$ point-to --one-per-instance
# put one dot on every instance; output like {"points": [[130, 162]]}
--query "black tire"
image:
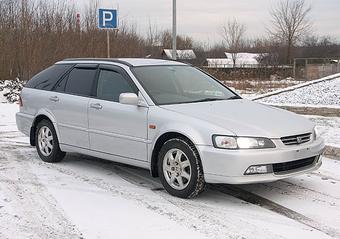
{"points": [[55, 155], [196, 183]]}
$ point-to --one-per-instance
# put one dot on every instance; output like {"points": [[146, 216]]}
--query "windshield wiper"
{"points": [[207, 99], [215, 99], [235, 97]]}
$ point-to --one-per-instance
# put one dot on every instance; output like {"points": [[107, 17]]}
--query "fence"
{"points": [[315, 68], [258, 73]]}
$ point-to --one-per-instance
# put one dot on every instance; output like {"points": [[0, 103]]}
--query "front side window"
{"points": [[111, 84], [80, 81], [180, 84]]}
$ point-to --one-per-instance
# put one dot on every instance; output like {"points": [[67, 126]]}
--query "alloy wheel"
{"points": [[45, 141], [177, 169]]}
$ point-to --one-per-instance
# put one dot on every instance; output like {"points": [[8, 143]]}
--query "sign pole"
{"points": [[108, 42], [107, 19], [174, 34]]}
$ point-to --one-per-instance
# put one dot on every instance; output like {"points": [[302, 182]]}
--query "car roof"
{"points": [[124, 61]]}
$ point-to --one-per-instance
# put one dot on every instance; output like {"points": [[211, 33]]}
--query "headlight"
{"points": [[316, 133], [233, 142]]}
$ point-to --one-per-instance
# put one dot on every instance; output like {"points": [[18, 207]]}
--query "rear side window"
{"points": [[46, 79], [80, 81], [111, 84]]}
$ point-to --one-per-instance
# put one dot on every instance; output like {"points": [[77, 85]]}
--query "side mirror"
{"points": [[128, 99]]}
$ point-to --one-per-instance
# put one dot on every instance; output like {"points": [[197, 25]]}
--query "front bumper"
{"points": [[229, 166]]}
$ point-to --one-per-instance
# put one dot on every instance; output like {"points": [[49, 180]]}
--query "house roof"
{"points": [[188, 54], [244, 58]]}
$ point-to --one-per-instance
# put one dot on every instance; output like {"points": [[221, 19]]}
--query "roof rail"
{"points": [[99, 59]]}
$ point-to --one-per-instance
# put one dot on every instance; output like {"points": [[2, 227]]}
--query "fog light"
{"points": [[259, 169]]}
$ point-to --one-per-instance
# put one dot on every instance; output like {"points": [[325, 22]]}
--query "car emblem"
{"points": [[299, 140]]}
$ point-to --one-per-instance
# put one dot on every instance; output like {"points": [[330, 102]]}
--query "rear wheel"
{"points": [[180, 169], [47, 143]]}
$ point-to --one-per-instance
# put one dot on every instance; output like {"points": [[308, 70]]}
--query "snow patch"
{"points": [[10, 90], [323, 92]]}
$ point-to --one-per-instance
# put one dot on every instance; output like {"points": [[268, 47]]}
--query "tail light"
{"points": [[20, 101]]}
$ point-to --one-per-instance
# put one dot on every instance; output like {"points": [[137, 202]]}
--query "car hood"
{"points": [[246, 118]]}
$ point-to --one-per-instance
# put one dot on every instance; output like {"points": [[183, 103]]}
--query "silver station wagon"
{"points": [[171, 118]]}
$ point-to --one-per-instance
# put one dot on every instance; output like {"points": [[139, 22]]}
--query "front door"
{"points": [[115, 128]]}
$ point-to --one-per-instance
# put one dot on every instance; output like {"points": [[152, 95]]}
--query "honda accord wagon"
{"points": [[176, 120]]}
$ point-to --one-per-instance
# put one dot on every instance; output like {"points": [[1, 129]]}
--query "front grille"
{"points": [[296, 139], [292, 165]]}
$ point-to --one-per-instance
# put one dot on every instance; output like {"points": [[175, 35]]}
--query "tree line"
{"points": [[36, 33]]}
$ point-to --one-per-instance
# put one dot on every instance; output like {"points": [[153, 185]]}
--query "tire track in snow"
{"points": [[323, 176], [309, 189], [247, 197], [195, 215], [274, 207], [34, 213], [129, 174]]}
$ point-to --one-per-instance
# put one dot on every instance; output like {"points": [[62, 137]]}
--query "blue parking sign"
{"points": [[107, 18]]}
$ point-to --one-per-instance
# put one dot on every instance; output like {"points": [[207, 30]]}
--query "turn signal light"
{"points": [[152, 126]]}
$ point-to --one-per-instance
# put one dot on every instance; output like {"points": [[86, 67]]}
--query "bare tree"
{"points": [[153, 35], [290, 23], [233, 34], [183, 42]]}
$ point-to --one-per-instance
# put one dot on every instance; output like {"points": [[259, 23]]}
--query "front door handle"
{"points": [[96, 106], [54, 98]]}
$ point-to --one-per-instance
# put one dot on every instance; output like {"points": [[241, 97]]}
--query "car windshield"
{"points": [[180, 84]]}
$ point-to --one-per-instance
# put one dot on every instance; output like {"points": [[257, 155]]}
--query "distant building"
{"points": [[219, 63], [243, 60], [188, 54]]}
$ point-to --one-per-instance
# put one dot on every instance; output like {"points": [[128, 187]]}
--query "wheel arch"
{"points": [[158, 145], [39, 117]]}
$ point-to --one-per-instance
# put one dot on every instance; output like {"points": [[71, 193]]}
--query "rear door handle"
{"points": [[54, 98], [96, 106]]}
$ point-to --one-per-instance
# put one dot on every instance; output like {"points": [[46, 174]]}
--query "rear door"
{"points": [[37, 92], [115, 128], [70, 102]]}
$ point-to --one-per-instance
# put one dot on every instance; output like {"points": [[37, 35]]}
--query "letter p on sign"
{"points": [[107, 18]]}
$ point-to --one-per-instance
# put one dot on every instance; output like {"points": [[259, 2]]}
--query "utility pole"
{"points": [[294, 69], [108, 42], [174, 34]]}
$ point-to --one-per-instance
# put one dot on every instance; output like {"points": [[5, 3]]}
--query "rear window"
{"points": [[46, 79], [80, 81]]}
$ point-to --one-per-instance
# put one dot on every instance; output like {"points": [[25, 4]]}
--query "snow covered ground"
{"points": [[3, 99], [329, 129], [321, 93], [86, 197]]}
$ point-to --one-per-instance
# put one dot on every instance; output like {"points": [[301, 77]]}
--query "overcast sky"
{"points": [[202, 19]]}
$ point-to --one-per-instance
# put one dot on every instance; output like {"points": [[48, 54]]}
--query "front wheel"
{"points": [[47, 143], [180, 169]]}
